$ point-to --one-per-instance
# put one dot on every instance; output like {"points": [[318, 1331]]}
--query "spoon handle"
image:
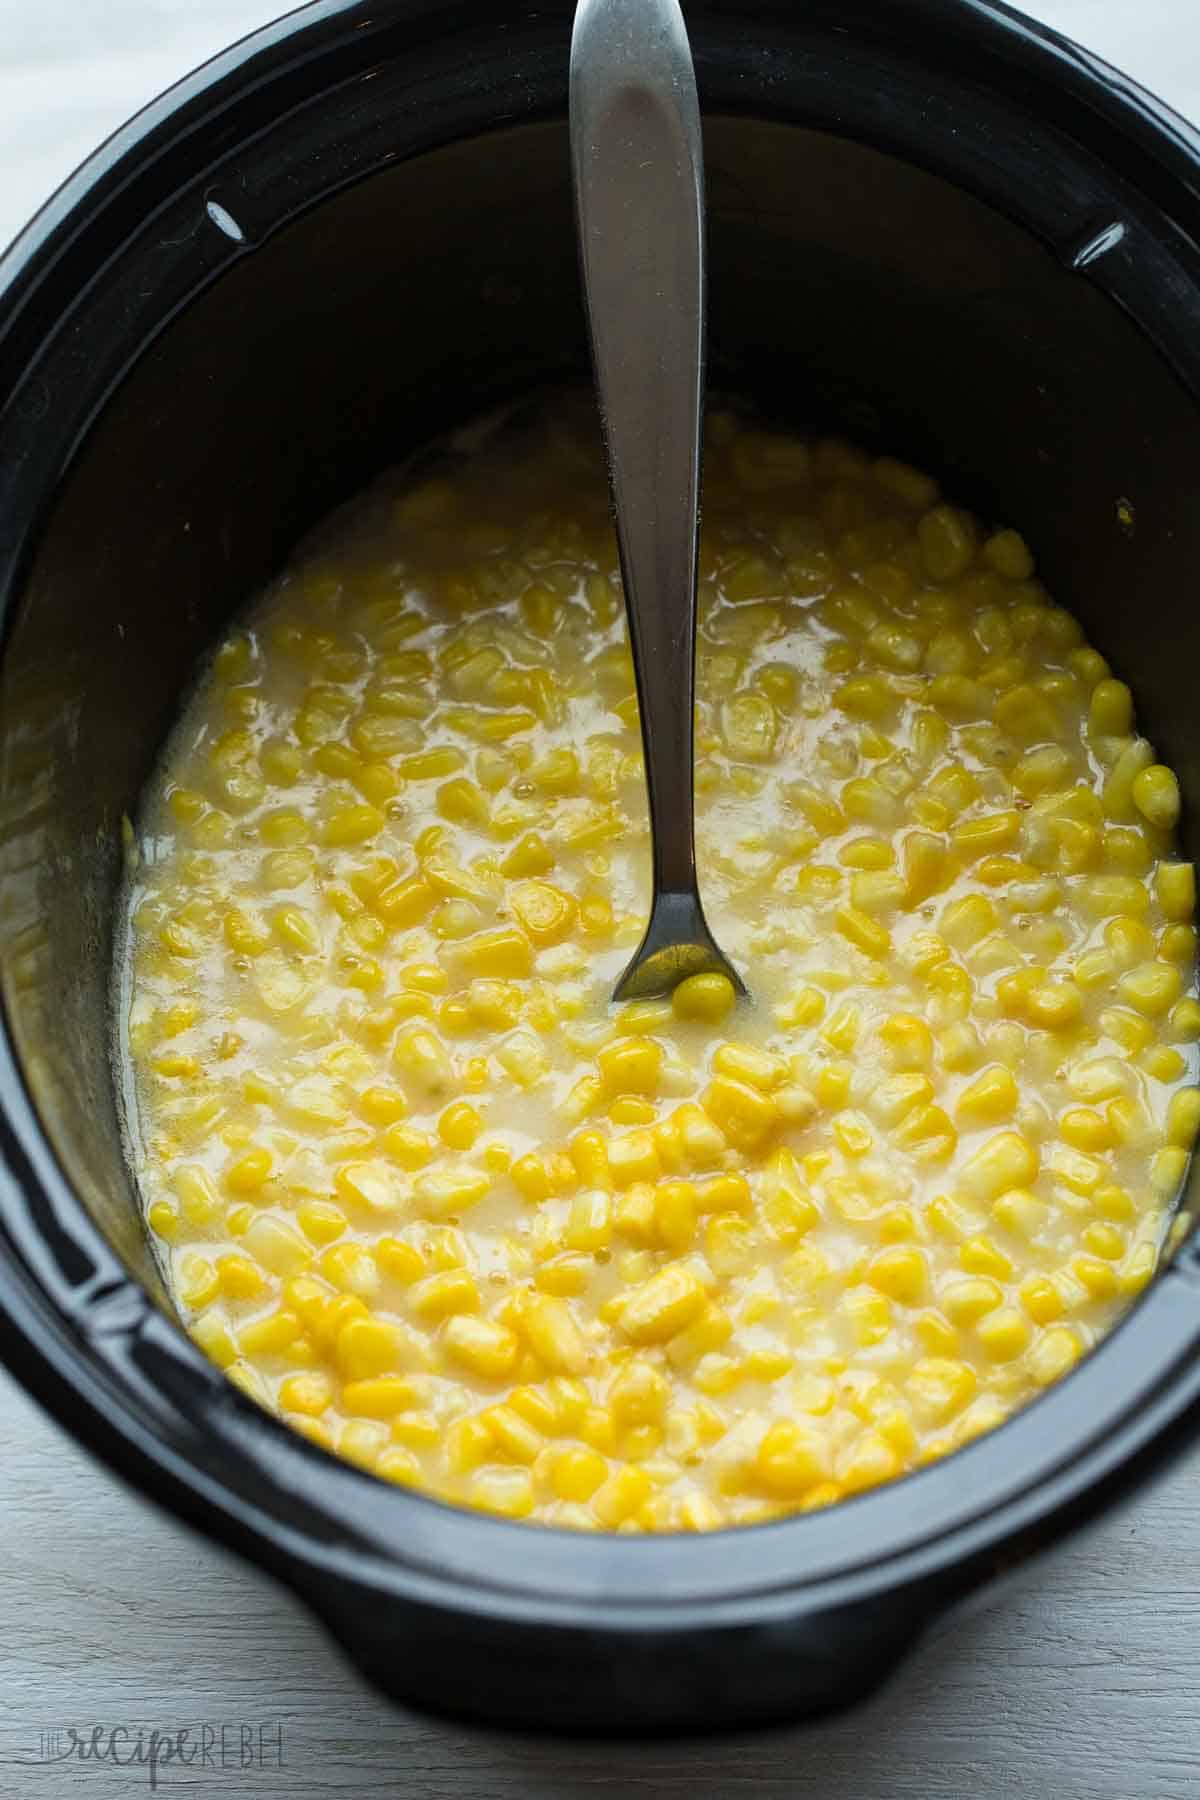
{"points": [[639, 197]]}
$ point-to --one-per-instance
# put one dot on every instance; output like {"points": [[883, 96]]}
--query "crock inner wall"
{"points": [[848, 290]]}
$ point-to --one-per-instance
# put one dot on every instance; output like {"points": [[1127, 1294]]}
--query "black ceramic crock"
{"points": [[933, 225]]}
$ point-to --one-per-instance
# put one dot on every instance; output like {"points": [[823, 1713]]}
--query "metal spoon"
{"points": [[639, 206]]}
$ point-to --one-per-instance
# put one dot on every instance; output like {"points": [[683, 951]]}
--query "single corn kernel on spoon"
{"points": [[639, 207]]}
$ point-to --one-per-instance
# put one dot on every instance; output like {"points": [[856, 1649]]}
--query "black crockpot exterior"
{"points": [[511, 1624]]}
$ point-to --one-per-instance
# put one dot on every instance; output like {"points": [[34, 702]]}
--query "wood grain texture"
{"points": [[1077, 1683]]}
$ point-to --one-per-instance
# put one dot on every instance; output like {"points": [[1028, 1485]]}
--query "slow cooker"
{"points": [[932, 224]]}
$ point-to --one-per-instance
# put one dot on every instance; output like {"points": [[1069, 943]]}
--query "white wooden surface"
{"points": [[1080, 1683]]}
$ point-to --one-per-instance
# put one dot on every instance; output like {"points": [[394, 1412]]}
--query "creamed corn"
{"points": [[422, 1190]]}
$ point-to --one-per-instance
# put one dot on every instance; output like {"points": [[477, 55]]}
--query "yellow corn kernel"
{"points": [[509, 1493], [1101, 1078], [589, 1223], [701, 1143], [864, 932], [898, 1095], [704, 999], [530, 855], [1175, 885], [866, 698], [197, 1194], [481, 1346], [1020, 1212], [459, 1126], [1183, 1118], [1054, 1006], [870, 1315], [577, 1473], [247, 1173], [639, 1394], [843, 1028], [1131, 1030], [545, 912], [1138, 1269], [1167, 1171], [468, 1443], [513, 1435], [1110, 713], [309, 1394], [463, 803], [422, 1060], [370, 1186], [866, 1462], [986, 835], [853, 1133], [633, 1158], [621, 1496], [274, 1244], [963, 923], [664, 1305], [980, 1256], [245, 934], [553, 1335], [902, 1274], [992, 1096], [747, 1063], [1117, 796], [1156, 796], [877, 891], [1129, 940], [199, 1283], [352, 825], [1055, 1353], [1085, 1129], [1046, 770], [504, 954], [1101, 1238], [1152, 988], [1178, 944], [631, 1066], [1003, 1334], [908, 1041], [377, 1396], [1097, 1276], [401, 1261], [240, 1279], [441, 1295], [1095, 969], [926, 866], [940, 1387], [792, 1458], [530, 1177], [873, 855], [411, 1148], [745, 1116], [524, 1058], [1185, 1020], [927, 1132], [948, 541], [566, 1276], [443, 1193], [1107, 895], [966, 1301], [960, 1046], [1082, 1174], [367, 1347], [675, 1209], [1042, 1300]]}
